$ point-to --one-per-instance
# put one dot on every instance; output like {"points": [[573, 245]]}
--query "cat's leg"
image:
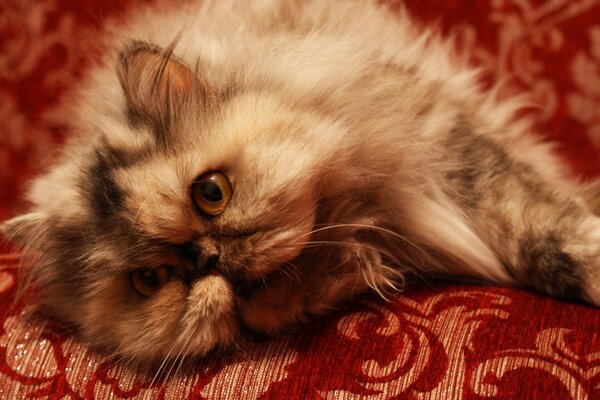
{"points": [[556, 250], [541, 233]]}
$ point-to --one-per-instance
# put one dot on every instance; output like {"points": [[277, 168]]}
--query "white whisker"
{"points": [[185, 349], [364, 226], [137, 214], [166, 358]]}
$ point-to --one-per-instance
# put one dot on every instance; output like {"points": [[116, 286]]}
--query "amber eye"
{"points": [[147, 281], [211, 193]]}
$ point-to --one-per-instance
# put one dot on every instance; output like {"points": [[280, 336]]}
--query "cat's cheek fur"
{"points": [[19, 229], [117, 319]]}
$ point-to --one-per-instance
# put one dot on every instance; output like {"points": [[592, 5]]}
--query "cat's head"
{"points": [[183, 213]]}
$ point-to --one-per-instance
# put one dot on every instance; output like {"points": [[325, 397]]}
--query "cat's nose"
{"points": [[210, 262], [208, 255]]}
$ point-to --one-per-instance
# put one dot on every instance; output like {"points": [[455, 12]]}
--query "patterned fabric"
{"points": [[431, 342]]}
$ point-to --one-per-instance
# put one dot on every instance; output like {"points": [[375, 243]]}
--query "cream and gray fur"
{"points": [[360, 151]]}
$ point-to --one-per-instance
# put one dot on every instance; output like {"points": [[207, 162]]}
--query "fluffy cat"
{"points": [[243, 165]]}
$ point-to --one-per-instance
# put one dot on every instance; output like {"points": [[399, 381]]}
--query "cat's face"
{"points": [[184, 218]]}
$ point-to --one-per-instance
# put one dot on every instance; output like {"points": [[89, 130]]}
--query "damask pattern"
{"points": [[431, 342], [584, 104]]}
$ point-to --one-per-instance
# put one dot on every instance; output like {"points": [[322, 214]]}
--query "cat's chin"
{"points": [[268, 305]]}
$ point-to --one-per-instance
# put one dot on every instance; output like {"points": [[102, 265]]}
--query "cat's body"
{"points": [[348, 149]]}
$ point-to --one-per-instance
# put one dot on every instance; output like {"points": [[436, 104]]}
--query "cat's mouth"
{"points": [[248, 289]]}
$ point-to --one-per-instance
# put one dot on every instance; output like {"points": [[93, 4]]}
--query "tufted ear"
{"points": [[156, 84], [25, 228]]}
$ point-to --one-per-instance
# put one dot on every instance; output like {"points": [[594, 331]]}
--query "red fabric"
{"points": [[433, 341]]}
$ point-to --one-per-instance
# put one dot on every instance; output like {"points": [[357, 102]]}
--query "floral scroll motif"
{"points": [[251, 378], [44, 51], [29, 33], [584, 105], [528, 31], [421, 328], [551, 355]]}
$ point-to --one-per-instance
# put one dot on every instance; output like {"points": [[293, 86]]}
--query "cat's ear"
{"points": [[24, 229], [156, 84]]}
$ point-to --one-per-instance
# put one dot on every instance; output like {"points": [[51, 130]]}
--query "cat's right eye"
{"points": [[147, 281]]}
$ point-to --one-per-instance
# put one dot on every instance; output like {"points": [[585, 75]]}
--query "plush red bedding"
{"points": [[441, 341]]}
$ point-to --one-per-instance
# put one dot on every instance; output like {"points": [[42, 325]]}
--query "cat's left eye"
{"points": [[211, 193], [147, 281]]}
